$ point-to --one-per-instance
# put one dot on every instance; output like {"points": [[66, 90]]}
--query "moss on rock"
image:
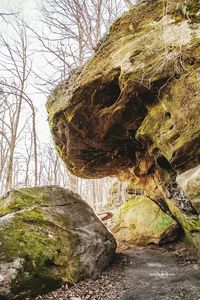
{"points": [[44, 229], [142, 222], [134, 108], [137, 75], [190, 225]]}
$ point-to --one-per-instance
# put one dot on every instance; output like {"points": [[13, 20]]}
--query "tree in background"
{"points": [[15, 67], [71, 31]]}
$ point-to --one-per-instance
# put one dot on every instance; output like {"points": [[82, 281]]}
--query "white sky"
{"points": [[26, 5], [28, 9]]}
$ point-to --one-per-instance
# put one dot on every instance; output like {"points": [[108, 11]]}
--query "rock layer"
{"points": [[49, 236]]}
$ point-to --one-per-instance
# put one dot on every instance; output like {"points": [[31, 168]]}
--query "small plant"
{"points": [[183, 9]]}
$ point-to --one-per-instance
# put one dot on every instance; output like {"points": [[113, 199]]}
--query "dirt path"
{"points": [[154, 274], [141, 274]]}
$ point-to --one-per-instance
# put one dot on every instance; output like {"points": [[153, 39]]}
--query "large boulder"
{"points": [[142, 222], [133, 110], [134, 88], [49, 236]]}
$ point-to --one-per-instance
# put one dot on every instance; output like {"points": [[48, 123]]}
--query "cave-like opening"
{"points": [[107, 94], [164, 163]]}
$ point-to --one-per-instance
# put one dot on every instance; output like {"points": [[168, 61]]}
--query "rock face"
{"points": [[142, 222], [133, 87], [133, 110], [190, 182], [49, 236]]}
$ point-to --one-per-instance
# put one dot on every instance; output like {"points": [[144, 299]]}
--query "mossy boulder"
{"points": [[49, 236], [142, 222]]}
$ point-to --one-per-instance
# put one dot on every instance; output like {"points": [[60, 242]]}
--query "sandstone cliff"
{"points": [[133, 109]]}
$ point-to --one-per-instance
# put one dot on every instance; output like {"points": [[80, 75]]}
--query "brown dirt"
{"points": [[139, 273]]}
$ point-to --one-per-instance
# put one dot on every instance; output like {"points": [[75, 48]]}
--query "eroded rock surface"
{"points": [[49, 236], [134, 84], [133, 110], [140, 221]]}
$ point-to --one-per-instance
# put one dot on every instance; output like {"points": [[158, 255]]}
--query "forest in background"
{"points": [[36, 53]]}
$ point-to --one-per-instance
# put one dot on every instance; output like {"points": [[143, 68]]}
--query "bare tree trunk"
{"points": [[9, 176]]}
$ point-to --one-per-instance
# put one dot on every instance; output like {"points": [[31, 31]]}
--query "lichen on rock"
{"points": [[129, 91], [142, 222], [49, 236], [190, 225], [133, 111]]}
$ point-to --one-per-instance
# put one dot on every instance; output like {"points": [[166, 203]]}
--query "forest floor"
{"points": [[138, 273]]}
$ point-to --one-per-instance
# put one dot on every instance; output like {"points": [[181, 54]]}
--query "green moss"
{"points": [[34, 215], [190, 225], [162, 220], [32, 236], [163, 223], [20, 199], [128, 205], [141, 52], [40, 240], [141, 221], [26, 240], [152, 122], [174, 134]]}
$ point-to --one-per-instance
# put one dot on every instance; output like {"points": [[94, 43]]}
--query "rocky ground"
{"points": [[138, 273]]}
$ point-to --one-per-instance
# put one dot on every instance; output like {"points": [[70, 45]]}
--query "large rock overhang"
{"points": [[139, 93]]}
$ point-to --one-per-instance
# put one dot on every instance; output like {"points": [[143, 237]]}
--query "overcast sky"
{"points": [[26, 5], [28, 9]]}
